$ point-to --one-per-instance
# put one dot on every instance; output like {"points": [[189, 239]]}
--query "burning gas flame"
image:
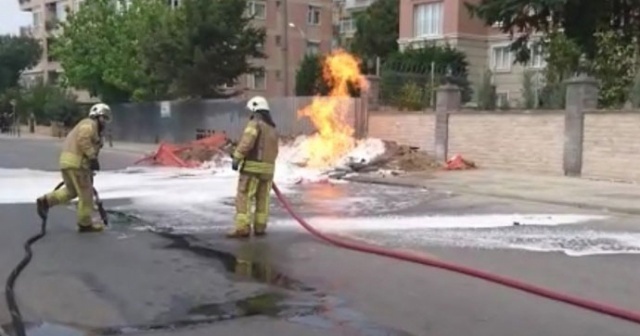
{"points": [[334, 137]]}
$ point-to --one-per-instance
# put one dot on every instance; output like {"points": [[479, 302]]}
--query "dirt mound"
{"points": [[398, 158], [408, 158]]}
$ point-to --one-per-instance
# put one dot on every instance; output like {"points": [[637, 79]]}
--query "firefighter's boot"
{"points": [[239, 233]]}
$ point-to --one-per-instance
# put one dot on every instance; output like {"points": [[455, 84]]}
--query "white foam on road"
{"points": [[200, 193], [442, 222], [176, 185]]}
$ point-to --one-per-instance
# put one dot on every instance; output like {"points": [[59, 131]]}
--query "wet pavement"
{"points": [[168, 272]]}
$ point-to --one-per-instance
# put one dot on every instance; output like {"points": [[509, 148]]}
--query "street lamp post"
{"points": [[285, 47], [304, 36]]}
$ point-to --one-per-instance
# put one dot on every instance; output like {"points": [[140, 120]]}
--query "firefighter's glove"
{"points": [[235, 164], [94, 165]]}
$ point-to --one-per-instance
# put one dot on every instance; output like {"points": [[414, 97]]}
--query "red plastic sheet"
{"points": [[169, 154]]}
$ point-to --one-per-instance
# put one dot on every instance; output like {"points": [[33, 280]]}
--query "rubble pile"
{"points": [[408, 158]]}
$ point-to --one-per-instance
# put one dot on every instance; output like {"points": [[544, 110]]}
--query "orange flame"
{"points": [[334, 137]]}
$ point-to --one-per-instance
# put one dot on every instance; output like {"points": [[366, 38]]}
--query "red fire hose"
{"points": [[625, 314]]}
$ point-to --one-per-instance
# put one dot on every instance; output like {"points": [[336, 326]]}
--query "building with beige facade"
{"points": [[344, 15], [305, 27], [448, 21]]}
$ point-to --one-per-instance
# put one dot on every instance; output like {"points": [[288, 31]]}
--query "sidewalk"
{"points": [[129, 147], [576, 192]]}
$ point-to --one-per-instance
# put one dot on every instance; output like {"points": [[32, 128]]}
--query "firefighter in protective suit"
{"points": [[255, 158], [78, 162]]}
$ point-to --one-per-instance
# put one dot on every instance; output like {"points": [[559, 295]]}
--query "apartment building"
{"points": [[306, 27], [345, 12], [448, 21]]}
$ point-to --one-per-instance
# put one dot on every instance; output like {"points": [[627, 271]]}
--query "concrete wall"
{"points": [[578, 141], [183, 121]]}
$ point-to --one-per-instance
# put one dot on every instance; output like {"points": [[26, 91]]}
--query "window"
{"points": [[278, 40], [54, 76], [537, 57], [347, 26], [501, 58], [313, 47], [61, 12], [77, 4], [278, 75], [257, 81], [173, 3], [37, 16], [502, 99], [258, 9], [313, 15], [427, 19]]}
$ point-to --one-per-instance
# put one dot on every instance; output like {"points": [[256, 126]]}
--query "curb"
{"points": [[580, 205]]}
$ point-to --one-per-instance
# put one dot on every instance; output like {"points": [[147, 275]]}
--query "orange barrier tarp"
{"points": [[169, 154]]}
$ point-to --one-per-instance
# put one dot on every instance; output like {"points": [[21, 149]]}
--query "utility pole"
{"points": [[285, 47]]}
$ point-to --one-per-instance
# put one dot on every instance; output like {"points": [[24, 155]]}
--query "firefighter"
{"points": [[254, 158], [78, 162]]}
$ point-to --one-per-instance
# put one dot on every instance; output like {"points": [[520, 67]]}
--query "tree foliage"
{"points": [[579, 19], [206, 45], [100, 47], [145, 50], [16, 55], [414, 74], [614, 66], [377, 30], [49, 103], [309, 81]]}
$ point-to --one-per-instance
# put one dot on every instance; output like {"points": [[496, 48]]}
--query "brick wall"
{"points": [[413, 129], [576, 141], [611, 146], [531, 142]]}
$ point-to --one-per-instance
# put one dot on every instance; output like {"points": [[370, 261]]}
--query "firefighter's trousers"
{"points": [[253, 188], [77, 183]]}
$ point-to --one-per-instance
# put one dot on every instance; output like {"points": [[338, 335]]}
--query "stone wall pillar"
{"points": [[448, 99], [582, 94], [373, 93]]}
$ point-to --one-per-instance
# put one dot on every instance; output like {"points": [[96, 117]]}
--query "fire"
{"points": [[334, 137]]}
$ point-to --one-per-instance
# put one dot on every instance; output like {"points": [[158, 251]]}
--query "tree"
{"points": [[377, 30], [50, 103], [206, 45], [16, 55], [414, 73], [309, 81], [579, 19], [100, 47]]}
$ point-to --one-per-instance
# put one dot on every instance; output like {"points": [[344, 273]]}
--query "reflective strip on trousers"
{"points": [[258, 167]]}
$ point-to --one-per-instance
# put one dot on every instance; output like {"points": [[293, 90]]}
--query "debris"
{"points": [[457, 162]]}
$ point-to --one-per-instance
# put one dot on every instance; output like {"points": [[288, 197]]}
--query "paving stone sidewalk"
{"points": [[578, 192]]}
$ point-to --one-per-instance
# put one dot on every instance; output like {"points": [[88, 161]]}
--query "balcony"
{"points": [[357, 5], [26, 31]]}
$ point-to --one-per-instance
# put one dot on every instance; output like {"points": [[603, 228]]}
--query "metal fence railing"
{"points": [[182, 121]]}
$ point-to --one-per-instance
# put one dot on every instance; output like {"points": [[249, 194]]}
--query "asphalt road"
{"points": [[131, 281]]}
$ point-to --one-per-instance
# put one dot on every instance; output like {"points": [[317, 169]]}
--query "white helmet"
{"points": [[257, 103], [101, 110]]}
